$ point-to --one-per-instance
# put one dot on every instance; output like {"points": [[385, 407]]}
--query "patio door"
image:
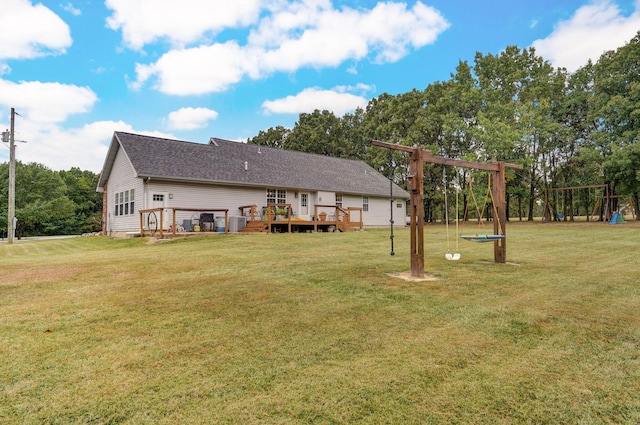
{"points": [[304, 206], [159, 200]]}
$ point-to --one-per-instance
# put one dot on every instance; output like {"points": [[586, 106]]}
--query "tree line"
{"points": [[566, 130], [51, 202]]}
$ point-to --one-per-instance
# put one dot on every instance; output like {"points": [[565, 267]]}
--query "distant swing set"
{"points": [[415, 182], [601, 211]]}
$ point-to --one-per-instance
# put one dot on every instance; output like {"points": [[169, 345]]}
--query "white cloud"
{"points": [[146, 21], [198, 70], [28, 31], [42, 108], [592, 30], [337, 100], [71, 9], [63, 148], [46, 102], [190, 118], [296, 35]]}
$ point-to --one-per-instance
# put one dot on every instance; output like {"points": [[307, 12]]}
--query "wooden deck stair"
{"points": [[345, 226], [255, 226]]}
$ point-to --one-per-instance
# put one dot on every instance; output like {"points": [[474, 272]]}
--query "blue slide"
{"points": [[614, 219]]}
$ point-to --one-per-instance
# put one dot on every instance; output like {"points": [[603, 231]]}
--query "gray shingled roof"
{"points": [[223, 161]]}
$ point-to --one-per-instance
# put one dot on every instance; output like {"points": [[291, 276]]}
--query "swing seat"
{"points": [[452, 257], [482, 238]]}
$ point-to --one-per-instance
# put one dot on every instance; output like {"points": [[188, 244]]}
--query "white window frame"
{"points": [[124, 203], [276, 196]]}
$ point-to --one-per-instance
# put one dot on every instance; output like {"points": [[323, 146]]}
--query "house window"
{"points": [[124, 204], [339, 200], [158, 198], [276, 196], [365, 203]]}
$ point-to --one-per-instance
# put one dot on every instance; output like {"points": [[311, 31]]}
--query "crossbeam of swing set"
{"points": [[415, 182]]}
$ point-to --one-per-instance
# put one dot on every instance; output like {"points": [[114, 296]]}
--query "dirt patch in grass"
{"points": [[406, 276]]}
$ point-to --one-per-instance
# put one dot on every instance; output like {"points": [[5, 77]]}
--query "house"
{"points": [[141, 173]]}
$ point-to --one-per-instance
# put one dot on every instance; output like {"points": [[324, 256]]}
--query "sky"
{"points": [[77, 70]]}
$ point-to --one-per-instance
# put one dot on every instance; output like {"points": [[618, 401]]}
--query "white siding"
{"points": [[326, 198], [182, 195], [191, 195], [122, 178], [379, 212]]}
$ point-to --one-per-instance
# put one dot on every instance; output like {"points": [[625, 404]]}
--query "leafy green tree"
{"points": [[274, 137], [50, 202], [81, 190], [393, 119], [355, 142], [616, 104], [518, 121], [318, 132], [40, 198], [566, 129]]}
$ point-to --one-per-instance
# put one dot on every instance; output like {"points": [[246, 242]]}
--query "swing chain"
{"points": [[391, 173]]}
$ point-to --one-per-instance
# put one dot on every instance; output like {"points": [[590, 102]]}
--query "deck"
{"points": [[275, 218], [326, 218]]}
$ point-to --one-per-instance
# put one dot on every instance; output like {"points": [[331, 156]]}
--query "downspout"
{"points": [[145, 193], [105, 209]]}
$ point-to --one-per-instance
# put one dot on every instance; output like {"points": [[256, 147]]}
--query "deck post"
{"points": [[173, 222]]}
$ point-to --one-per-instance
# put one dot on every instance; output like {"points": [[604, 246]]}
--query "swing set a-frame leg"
{"points": [[499, 214], [415, 183]]}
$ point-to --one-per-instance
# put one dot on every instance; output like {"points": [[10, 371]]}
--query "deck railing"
{"points": [[338, 216], [152, 220]]}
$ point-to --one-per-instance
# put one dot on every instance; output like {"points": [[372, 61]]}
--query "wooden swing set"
{"points": [[603, 202], [415, 185]]}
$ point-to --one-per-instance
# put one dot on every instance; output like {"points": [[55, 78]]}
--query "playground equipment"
{"points": [[602, 203], [415, 181], [456, 255], [617, 218], [484, 237]]}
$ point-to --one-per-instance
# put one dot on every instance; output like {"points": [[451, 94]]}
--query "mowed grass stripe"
{"points": [[310, 328]]}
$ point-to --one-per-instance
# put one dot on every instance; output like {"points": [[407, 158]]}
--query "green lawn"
{"points": [[311, 329]]}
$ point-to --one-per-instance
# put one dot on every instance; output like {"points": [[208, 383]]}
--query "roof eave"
{"points": [[251, 184], [108, 163]]}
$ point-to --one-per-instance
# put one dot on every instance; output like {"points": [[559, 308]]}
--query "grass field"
{"points": [[311, 329]]}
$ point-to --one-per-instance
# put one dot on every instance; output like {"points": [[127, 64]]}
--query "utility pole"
{"points": [[12, 181]]}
